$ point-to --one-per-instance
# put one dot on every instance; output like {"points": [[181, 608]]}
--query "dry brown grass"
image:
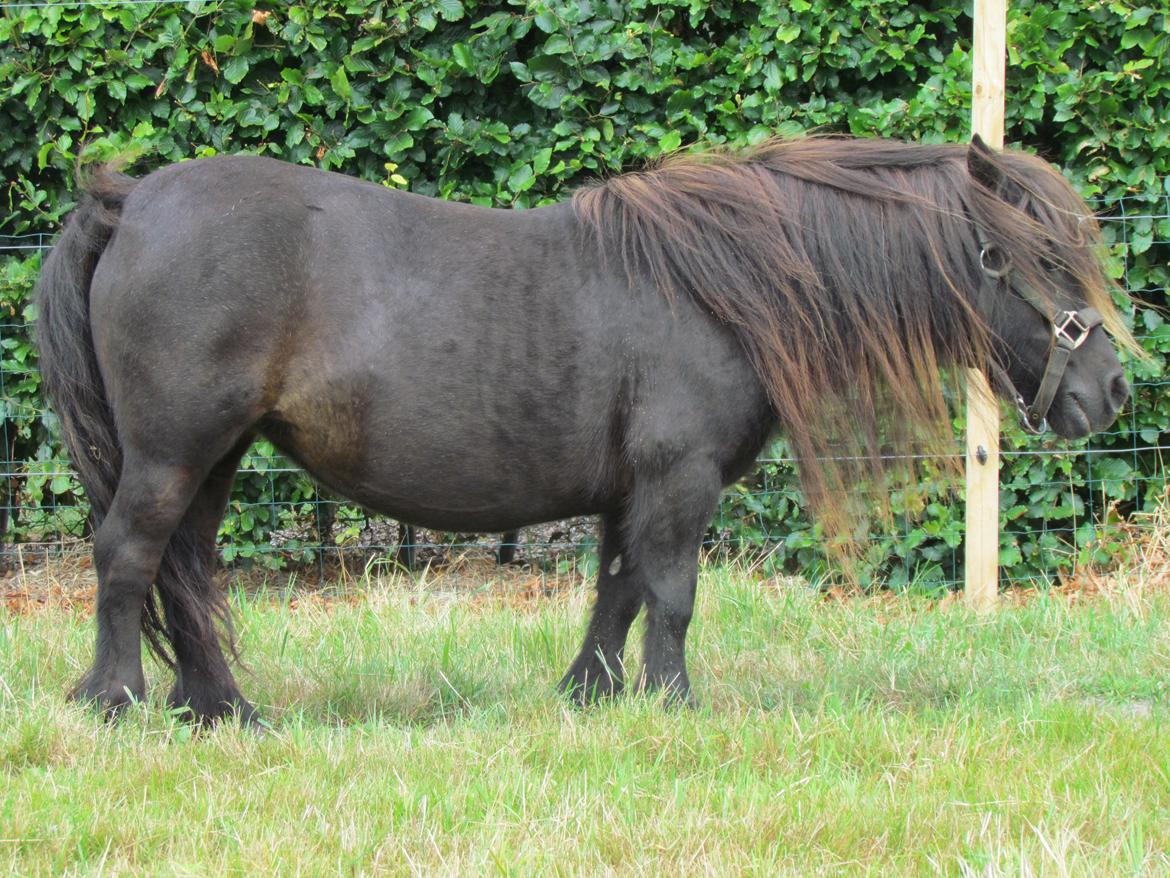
{"points": [[1145, 566], [67, 579]]}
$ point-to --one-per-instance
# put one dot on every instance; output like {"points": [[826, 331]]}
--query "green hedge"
{"points": [[514, 104]]}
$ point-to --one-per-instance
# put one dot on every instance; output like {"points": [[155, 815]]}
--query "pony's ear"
{"points": [[983, 165]]}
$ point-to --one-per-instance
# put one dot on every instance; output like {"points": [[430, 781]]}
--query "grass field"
{"points": [[415, 730]]}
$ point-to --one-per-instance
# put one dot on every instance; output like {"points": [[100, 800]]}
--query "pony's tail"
{"points": [[70, 376], [72, 382]]}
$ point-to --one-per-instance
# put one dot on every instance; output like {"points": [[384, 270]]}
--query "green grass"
{"points": [[417, 732]]}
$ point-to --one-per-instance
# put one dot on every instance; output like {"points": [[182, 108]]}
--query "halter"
{"points": [[1069, 331]]}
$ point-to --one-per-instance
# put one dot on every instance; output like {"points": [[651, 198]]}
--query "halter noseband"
{"points": [[1069, 331]]}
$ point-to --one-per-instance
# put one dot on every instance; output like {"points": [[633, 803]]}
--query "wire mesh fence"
{"points": [[1063, 504]]}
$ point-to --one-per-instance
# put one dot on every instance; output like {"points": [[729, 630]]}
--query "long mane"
{"points": [[848, 269]]}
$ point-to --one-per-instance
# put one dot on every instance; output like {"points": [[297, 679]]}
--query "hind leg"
{"points": [[506, 553], [149, 503], [597, 671], [204, 684], [404, 557]]}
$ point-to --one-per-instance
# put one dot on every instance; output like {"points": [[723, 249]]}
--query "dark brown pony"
{"points": [[626, 355]]}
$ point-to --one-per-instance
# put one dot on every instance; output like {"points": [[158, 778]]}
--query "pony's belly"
{"points": [[474, 488], [496, 518], [474, 506], [443, 481]]}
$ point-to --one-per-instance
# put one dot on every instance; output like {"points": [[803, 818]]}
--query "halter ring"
{"points": [[1026, 418], [986, 256]]}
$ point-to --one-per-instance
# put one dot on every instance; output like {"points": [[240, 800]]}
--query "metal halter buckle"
{"points": [[1060, 328]]}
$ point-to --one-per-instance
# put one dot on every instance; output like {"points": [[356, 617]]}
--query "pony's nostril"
{"points": [[1119, 390]]}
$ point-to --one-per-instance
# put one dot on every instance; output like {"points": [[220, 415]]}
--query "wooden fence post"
{"points": [[981, 548]]}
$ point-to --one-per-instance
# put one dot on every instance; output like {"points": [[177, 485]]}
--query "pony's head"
{"points": [[1044, 296]]}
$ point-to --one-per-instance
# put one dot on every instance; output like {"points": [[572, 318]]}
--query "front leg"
{"points": [[598, 670], [670, 601], [649, 555], [669, 517]]}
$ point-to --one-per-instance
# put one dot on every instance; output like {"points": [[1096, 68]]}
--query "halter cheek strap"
{"points": [[1070, 329]]}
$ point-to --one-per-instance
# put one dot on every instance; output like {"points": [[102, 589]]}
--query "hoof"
{"points": [[108, 694], [675, 692], [204, 706], [590, 684]]}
